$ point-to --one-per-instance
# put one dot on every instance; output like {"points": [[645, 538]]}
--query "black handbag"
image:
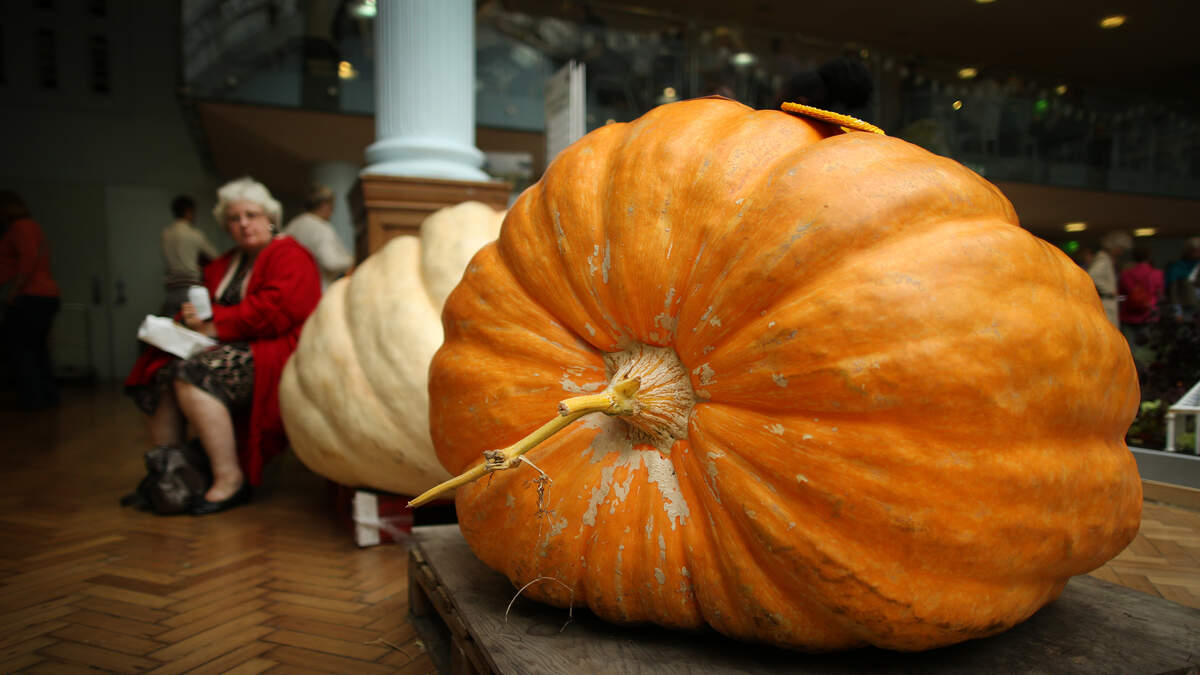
{"points": [[176, 480]]}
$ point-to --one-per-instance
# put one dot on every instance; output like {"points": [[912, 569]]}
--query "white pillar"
{"points": [[425, 91], [339, 177]]}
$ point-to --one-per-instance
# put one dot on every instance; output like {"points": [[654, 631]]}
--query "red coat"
{"points": [[282, 291]]}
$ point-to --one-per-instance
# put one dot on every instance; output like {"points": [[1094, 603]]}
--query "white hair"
{"points": [[1116, 239], [247, 190]]}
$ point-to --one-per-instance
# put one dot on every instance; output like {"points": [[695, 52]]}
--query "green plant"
{"points": [[1174, 366]]}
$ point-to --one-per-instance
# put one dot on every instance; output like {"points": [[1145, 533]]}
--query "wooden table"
{"points": [[458, 606]]}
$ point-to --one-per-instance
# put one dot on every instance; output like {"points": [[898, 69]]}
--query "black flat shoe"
{"points": [[242, 496]]}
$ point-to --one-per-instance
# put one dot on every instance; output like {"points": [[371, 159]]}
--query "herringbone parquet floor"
{"points": [[277, 586]]}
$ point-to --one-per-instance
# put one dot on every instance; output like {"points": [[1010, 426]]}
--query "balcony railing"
{"points": [[1005, 126]]}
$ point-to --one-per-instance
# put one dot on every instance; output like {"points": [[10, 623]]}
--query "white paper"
{"points": [[172, 338]]}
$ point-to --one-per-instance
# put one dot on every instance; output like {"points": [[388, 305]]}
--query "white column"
{"points": [[425, 91], [339, 177]]}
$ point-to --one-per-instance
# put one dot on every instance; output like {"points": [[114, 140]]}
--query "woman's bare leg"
{"points": [[166, 425], [213, 424]]}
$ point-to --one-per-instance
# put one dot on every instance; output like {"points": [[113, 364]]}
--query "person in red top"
{"points": [[262, 291], [1142, 287], [30, 298]]}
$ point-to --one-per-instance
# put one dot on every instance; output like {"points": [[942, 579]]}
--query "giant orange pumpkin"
{"points": [[871, 409]]}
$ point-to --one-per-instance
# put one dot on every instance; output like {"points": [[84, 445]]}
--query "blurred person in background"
{"points": [[1141, 286], [313, 230], [29, 299], [1103, 271], [1181, 282], [185, 250], [262, 291]]}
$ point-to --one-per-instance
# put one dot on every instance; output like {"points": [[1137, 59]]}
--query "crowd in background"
{"points": [[1137, 295]]}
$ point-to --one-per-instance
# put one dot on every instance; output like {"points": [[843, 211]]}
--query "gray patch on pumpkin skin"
{"points": [[607, 260], [664, 319], [621, 491], [711, 468], [586, 388], [556, 528], [779, 379], [599, 493], [706, 374], [658, 574], [589, 260], [560, 235], [614, 436]]}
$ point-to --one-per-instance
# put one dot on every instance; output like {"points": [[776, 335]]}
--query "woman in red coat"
{"points": [[262, 291]]}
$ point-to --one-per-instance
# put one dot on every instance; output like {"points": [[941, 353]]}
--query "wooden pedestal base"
{"points": [[389, 206], [461, 609]]}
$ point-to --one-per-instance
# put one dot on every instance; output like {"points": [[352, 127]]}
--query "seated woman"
{"points": [[262, 292]]}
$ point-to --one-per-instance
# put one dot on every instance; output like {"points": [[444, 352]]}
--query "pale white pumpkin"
{"points": [[353, 395]]}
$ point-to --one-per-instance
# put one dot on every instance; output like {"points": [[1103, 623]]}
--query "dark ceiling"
{"points": [[1060, 41]]}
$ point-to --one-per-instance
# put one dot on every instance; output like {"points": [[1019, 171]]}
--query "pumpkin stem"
{"points": [[618, 399]]}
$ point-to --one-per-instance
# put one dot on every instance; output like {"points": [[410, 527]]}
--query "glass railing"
{"points": [[1004, 126]]}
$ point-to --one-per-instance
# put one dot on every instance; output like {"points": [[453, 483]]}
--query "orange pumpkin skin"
{"points": [[909, 412]]}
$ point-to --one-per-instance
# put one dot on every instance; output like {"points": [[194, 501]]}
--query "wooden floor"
{"points": [[277, 586]]}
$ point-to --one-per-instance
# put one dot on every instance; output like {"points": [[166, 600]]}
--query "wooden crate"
{"points": [[458, 606]]}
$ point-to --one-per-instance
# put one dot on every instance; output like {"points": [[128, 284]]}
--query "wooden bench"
{"points": [[458, 606]]}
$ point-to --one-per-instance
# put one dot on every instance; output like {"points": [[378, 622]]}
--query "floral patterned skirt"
{"points": [[226, 371]]}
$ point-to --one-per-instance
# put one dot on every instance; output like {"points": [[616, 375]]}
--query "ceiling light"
{"points": [[1060, 89], [669, 92], [1113, 21], [743, 59], [1145, 232], [967, 73], [1075, 227], [346, 71], [984, 2], [957, 105]]}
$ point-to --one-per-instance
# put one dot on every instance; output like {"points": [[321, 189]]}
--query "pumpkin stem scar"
{"points": [[618, 399]]}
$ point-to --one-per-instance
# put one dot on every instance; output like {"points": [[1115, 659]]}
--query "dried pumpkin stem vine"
{"points": [[618, 399]]}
